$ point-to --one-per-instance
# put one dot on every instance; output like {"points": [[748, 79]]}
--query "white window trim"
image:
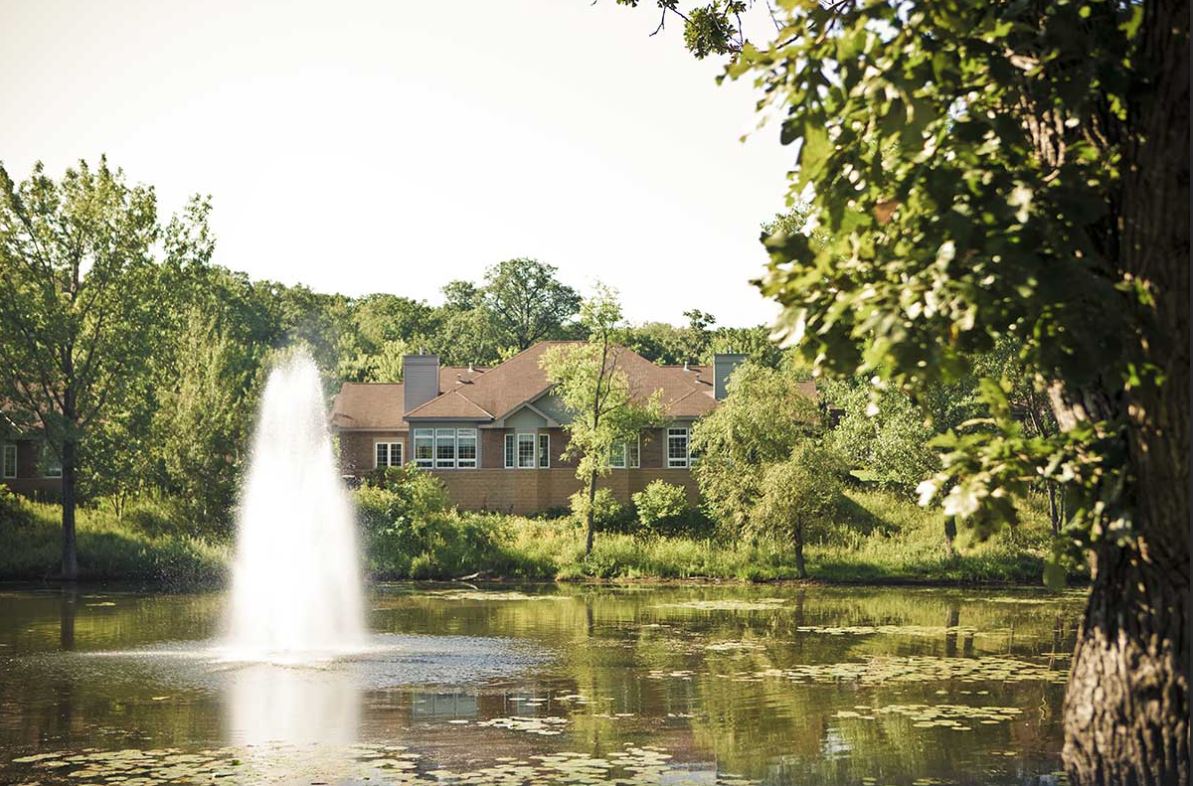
{"points": [[534, 443], [468, 433], [511, 451], [389, 453], [423, 433], [445, 436], [620, 450], [544, 454], [9, 447], [686, 461]]}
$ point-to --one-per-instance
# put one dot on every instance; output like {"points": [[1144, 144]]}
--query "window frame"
{"points": [[686, 461], [533, 438], [511, 450], [626, 459], [51, 464], [419, 435], [544, 451], [4, 464], [464, 434], [389, 453], [445, 437]]}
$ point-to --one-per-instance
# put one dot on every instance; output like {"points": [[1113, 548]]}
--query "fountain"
{"points": [[296, 580], [295, 659]]}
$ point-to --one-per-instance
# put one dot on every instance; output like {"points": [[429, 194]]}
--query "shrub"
{"points": [[660, 502], [399, 494], [12, 509], [608, 515], [799, 497], [663, 510]]}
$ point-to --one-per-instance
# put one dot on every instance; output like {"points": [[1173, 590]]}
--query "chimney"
{"points": [[420, 373], [722, 367]]}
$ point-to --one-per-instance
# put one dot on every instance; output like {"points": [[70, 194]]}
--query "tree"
{"points": [[797, 497], [595, 392], [203, 420], [77, 321], [978, 171], [762, 419], [526, 302]]}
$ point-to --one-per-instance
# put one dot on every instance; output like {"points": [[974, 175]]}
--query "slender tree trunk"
{"points": [[1126, 711], [70, 561], [1053, 508], [588, 513], [950, 534], [800, 569]]}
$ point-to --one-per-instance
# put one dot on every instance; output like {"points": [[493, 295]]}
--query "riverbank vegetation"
{"points": [[878, 537]]}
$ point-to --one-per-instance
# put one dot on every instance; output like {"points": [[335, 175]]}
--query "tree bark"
{"points": [[950, 534], [588, 514], [800, 570], [1126, 711], [70, 560]]}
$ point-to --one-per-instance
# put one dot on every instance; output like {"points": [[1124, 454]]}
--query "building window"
{"points": [[387, 454], [677, 447], [544, 451], [526, 451], [626, 453], [510, 455], [424, 447], [10, 460], [445, 448], [466, 448], [51, 466]]}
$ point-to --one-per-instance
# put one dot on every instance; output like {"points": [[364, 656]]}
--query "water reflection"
{"points": [[294, 705], [779, 685]]}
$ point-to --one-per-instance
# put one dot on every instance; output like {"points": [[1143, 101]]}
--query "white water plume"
{"points": [[296, 579]]}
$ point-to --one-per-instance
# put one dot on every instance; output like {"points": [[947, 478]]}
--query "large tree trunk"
{"points": [[1127, 708], [70, 560]]}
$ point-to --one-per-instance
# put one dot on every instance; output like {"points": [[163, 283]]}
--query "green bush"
{"points": [[663, 510], [399, 494], [12, 511], [608, 514]]}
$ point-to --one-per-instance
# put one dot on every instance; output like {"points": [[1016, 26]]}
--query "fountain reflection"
{"points": [[296, 705], [292, 723]]}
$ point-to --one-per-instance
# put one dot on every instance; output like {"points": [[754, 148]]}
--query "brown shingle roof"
{"points": [[372, 405], [491, 394], [506, 386]]}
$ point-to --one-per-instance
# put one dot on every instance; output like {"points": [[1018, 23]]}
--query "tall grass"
{"points": [[130, 548], [878, 538]]}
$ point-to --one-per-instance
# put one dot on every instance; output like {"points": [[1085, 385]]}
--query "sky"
{"points": [[393, 146]]}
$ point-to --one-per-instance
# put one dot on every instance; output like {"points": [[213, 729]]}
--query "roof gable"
{"points": [[492, 395]]}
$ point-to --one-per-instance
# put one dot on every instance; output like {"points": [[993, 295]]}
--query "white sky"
{"points": [[392, 146]]}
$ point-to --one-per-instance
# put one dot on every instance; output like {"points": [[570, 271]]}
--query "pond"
{"points": [[548, 684]]}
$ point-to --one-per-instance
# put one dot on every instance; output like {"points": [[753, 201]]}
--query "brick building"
{"points": [[496, 436]]}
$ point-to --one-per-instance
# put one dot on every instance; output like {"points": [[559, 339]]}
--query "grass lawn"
{"points": [[880, 538]]}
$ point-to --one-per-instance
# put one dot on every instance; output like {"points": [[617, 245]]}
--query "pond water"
{"points": [[550, 685]]}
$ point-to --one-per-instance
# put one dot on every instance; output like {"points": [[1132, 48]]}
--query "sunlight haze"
{"points": [[393, 147]]}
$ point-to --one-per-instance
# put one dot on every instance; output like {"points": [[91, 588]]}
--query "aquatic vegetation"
{"points": [[728, 604], [494, 596], [958, 717], [927, 631], [377, 764], [880, 670], [547, 725]]}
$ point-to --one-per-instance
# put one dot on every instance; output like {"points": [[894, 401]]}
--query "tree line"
{"points": [[140, 360]]}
